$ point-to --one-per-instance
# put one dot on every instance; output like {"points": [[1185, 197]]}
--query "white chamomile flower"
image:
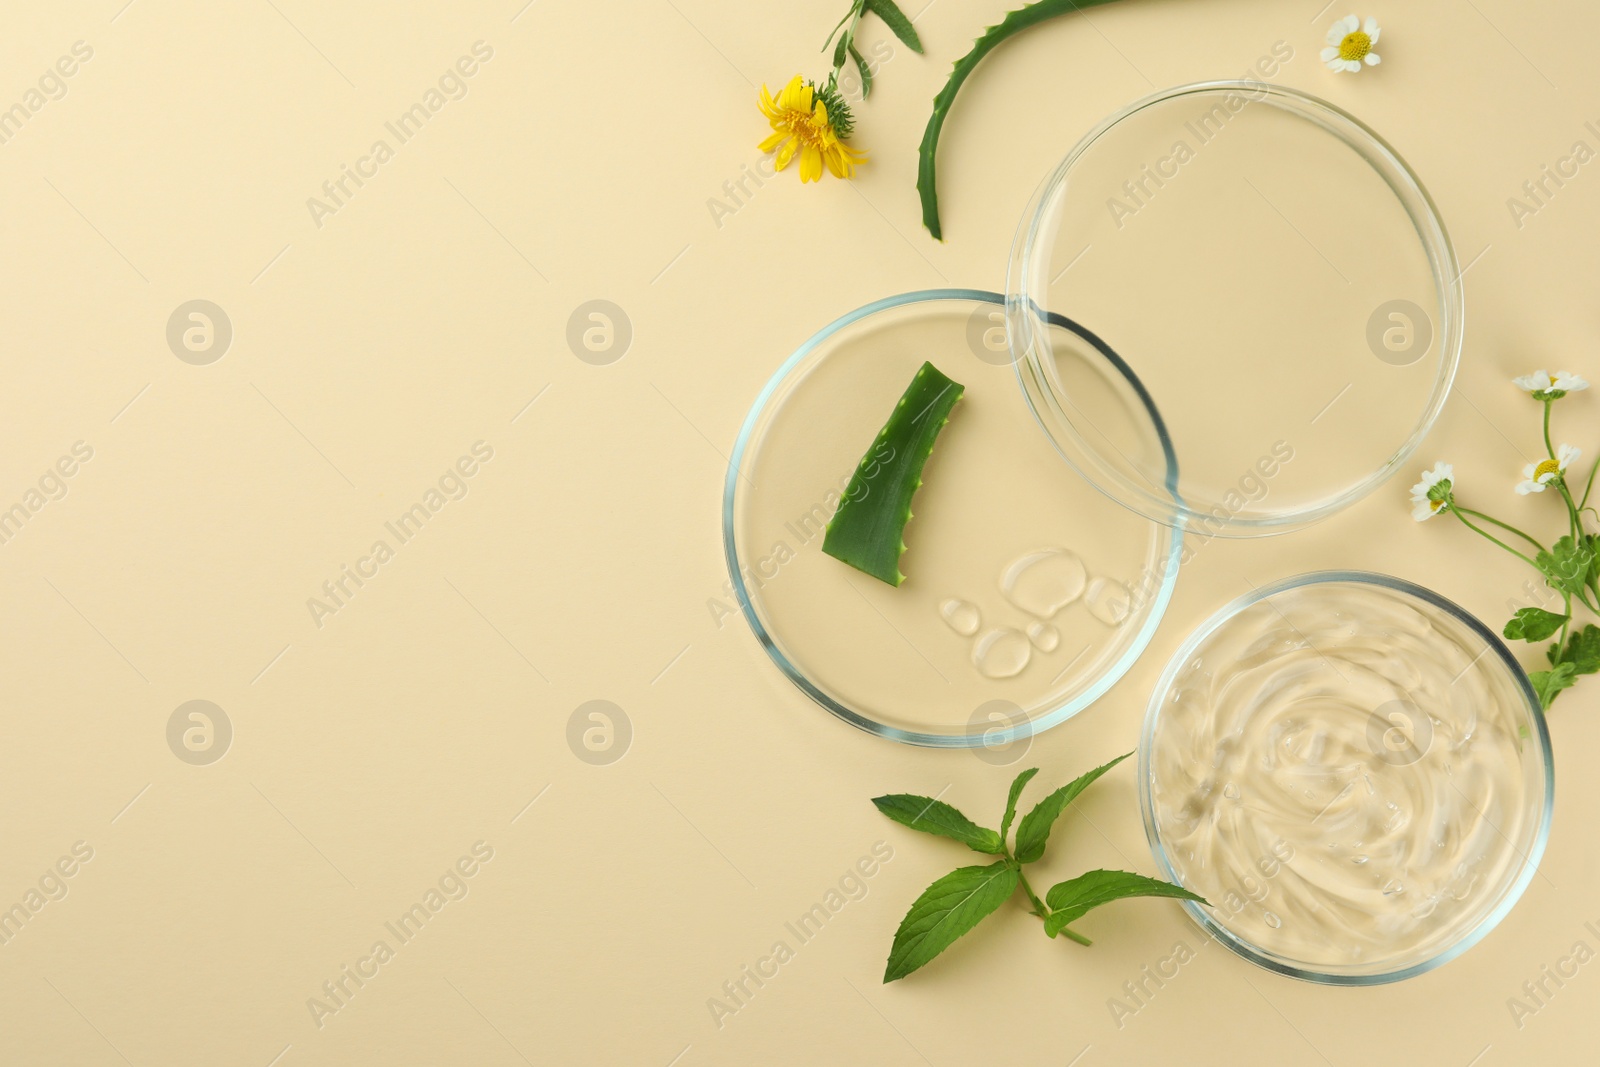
{"points": [[1433, 494], [1545, 386], [1535, 476], [1350, 44]]}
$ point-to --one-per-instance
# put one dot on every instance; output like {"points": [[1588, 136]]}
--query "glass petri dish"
{"points": [[1353, 771], [1279, 280], [1028, 593]]}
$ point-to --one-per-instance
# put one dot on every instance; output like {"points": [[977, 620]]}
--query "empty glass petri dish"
{"points": [[1278, 279], [1028, 593], [1354, 773]]}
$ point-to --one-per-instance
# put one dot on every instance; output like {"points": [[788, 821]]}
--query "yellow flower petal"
{"points": [[793, 94], [810, 164], [774, 141], [786, 153]]}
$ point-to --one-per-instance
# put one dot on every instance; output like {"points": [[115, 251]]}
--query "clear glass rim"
{"points": [[1022, 306], [987, 736], [1530, 860]]}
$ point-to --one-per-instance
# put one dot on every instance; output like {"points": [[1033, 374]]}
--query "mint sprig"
{"points": [[960, 900]]}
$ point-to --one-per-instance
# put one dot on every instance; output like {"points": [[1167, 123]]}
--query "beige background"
{"points": [[425, 715]]}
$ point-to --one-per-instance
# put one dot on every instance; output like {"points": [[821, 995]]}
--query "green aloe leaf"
{"points": [[1014, 23], [947, 909], [1533, 624], [1034, 833], [896, 20], [1011, 801], [1073, 899], [868, 530], [936, 817]]}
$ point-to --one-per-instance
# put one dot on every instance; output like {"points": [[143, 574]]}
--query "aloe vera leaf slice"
{"points": [[1015, 22], [868, 530]]}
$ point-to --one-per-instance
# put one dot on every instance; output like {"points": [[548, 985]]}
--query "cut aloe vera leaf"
{"points": [[868, 530]]}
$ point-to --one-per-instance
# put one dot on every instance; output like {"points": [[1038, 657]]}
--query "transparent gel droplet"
{"points": [[1043, 582], [1393, 887], [1108, 600], [961, 616], [1045, 638], [1230, 791], [1001, 653], [1272, 919]]}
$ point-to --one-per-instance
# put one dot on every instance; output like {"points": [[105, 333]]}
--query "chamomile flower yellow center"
{"points": [[1355, 46], [1548, 467]]}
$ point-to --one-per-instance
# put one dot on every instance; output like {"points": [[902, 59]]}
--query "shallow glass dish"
{"points": [[1353, 771], [1279, 280], [1028, 593]]}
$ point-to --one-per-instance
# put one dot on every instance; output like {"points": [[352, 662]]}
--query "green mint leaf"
{"points": [[1547, 684], [1583, 650], [947, 909], [896, 20], [1076, 897], [1533, 624], [1566, 565], [863, 70], [936, 817], [1034, 832], [1011, 801]]}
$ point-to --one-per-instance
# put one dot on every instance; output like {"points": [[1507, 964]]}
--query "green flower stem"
{"points": [[1473, 526], [1587, 489], [1039, 907], [1572, 509], [1548, 447], [1502, 525], [854, 12]]}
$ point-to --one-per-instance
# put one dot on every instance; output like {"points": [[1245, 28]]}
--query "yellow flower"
{"points": [[800, 124]]}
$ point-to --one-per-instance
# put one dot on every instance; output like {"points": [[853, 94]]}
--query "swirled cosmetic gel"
{"points": [[1346, 772]]}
